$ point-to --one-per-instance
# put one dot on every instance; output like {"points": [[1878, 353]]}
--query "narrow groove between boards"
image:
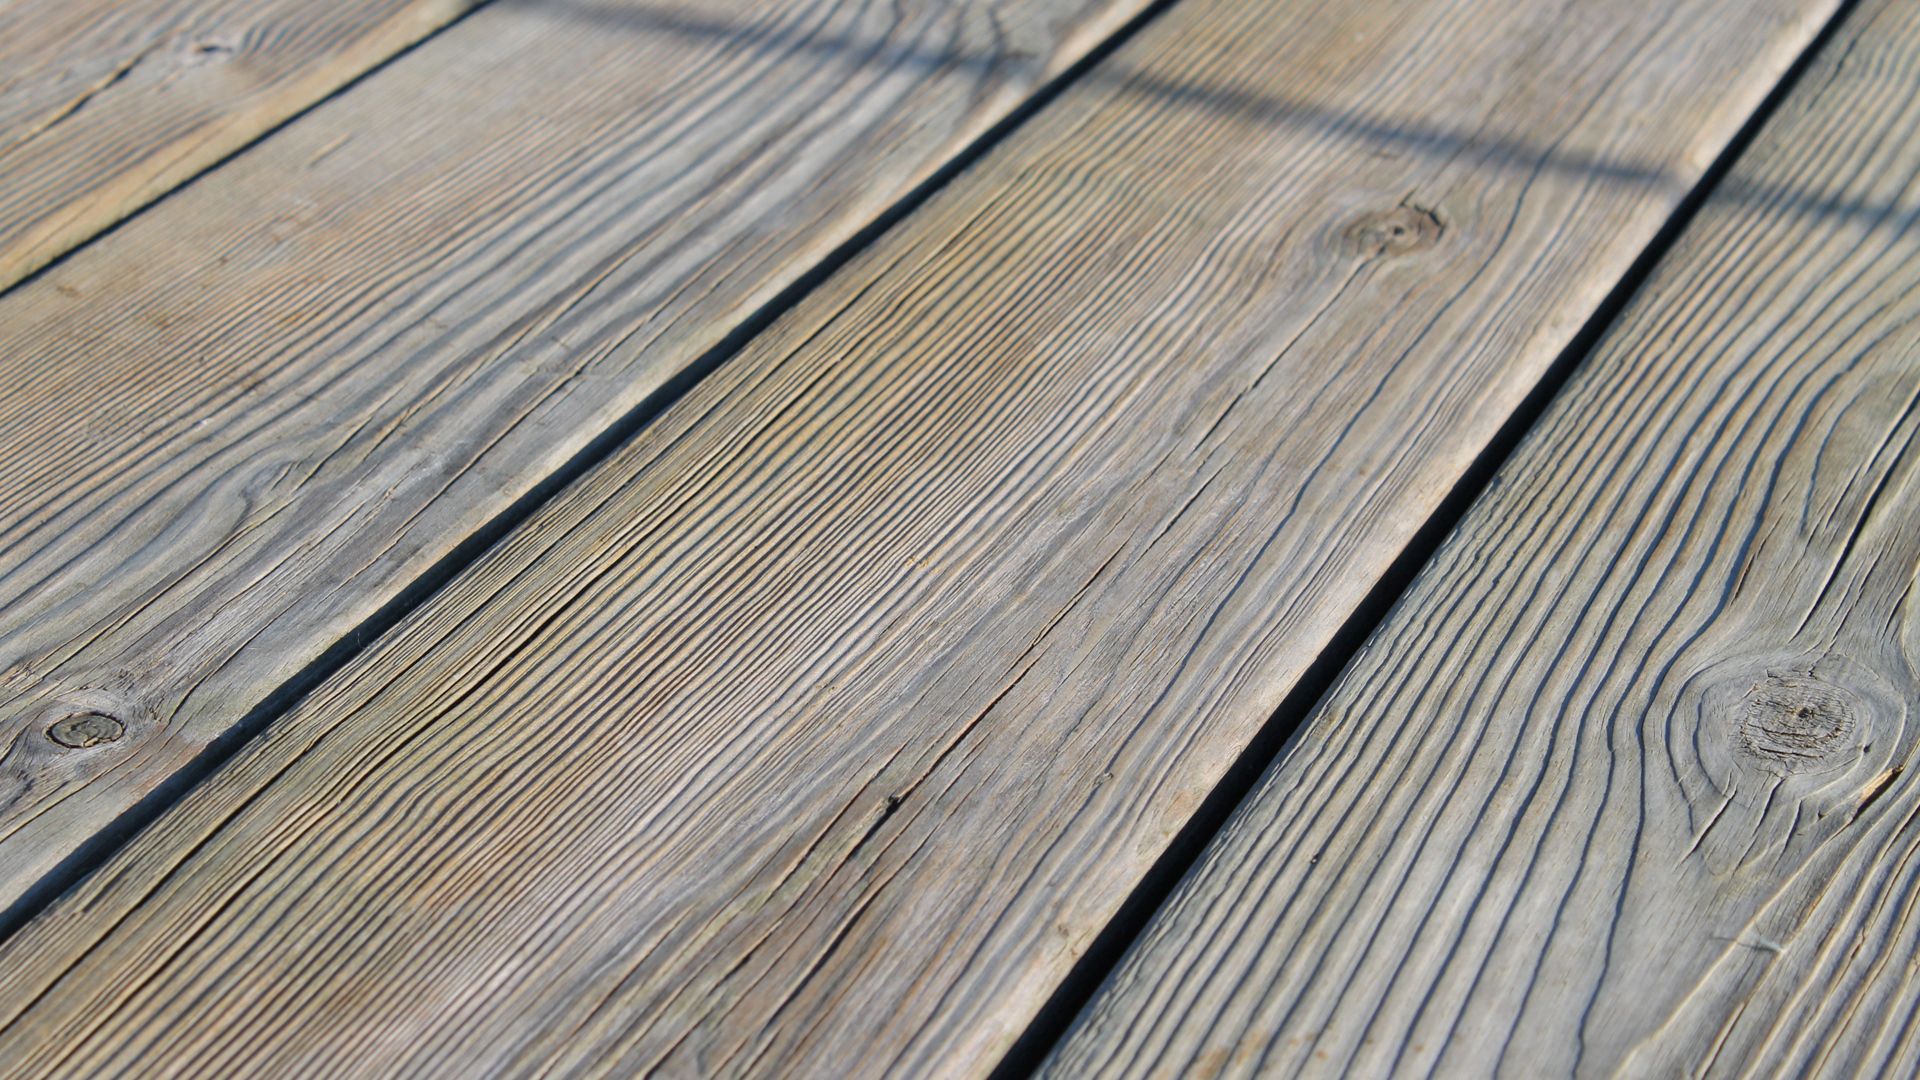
{"points": [[1271, 743], [103, 845], [220, 162]]}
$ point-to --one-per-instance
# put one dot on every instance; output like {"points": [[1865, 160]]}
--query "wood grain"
{"points": [[105, 105], [819, 730], [1628, 783], [259, 413]]}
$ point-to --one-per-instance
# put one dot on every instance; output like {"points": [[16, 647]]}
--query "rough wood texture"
{"points": [[233, 432], [820, 729], [1628, 783], [105, 105]]}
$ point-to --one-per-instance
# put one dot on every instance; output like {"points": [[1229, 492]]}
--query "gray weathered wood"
{"points": [[105, 105], [820, 729], [1628, 783], [232, 432]]}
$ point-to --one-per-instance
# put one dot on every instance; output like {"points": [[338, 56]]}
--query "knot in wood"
{"points": [[1796, 721], [81, 730], [1402, 230]]}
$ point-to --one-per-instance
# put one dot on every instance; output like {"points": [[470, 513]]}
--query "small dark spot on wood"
{"points": [[1402, 230], [209, 49], [82, 730], [1795, 721]]}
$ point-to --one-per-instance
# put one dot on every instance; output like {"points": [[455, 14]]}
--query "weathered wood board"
{"points": [[105, 105], [819, 729], [1628, 783], [234, 431]]}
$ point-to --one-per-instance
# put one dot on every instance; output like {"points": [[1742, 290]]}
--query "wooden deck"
{"points": [[959, 537]]}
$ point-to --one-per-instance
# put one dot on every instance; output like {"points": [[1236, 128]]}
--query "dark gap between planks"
{"points": [[1270, 745], [1103, 955], [97, 849], [220, 162]]}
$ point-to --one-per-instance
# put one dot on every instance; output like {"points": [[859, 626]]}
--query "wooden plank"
{"points": [[820, 729], [265, 409], [105, 105], [1627, 784]]}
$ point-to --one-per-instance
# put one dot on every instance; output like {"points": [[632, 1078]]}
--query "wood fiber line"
{"points": [[105, 105], [819, 729], [236, 431], [1628, 783]]}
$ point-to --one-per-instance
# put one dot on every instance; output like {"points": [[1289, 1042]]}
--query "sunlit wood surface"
{"points": [[735, 538]]}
